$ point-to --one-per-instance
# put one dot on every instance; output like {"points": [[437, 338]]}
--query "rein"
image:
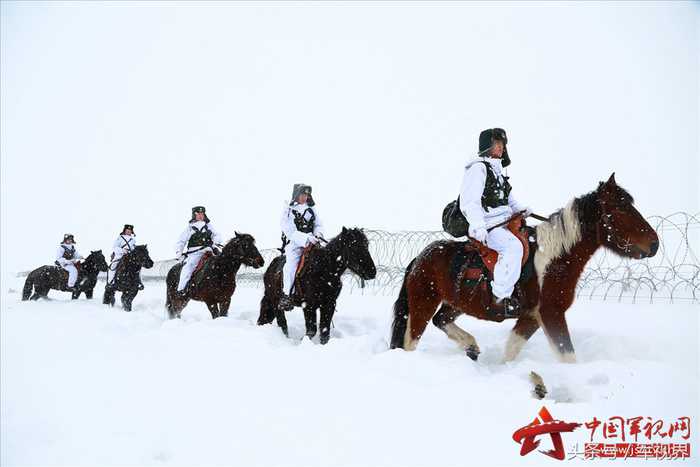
{"points": [[538, 217], [505, 222]]}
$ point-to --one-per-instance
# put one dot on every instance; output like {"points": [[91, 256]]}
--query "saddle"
{"points": [[195, 279], [489, 256], [64, 274], [300, 267], [476, 261]]}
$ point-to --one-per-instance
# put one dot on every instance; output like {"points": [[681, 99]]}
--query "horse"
{"points": [[45, 278], [605, 217], [215, 283], [127, 278], [318, 284]]}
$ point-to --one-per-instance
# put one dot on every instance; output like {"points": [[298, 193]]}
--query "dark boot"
{"points": [[285, 303], [506, 308], [181, 294]]}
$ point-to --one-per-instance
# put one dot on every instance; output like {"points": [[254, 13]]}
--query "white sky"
{"points": [[135, 112]]}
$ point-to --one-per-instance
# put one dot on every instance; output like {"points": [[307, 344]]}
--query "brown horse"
{"points": [[215, 283], [605, 217]]}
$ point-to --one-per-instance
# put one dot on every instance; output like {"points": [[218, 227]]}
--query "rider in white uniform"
{"points": [[66, 257], [486, 200], [123, 245], [300, 226], [197, 239]]}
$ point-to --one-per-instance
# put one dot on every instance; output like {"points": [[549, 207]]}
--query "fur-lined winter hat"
{"points": [[130, 227], [68, 236], [202, 210], [300, 188], [486, 140]]}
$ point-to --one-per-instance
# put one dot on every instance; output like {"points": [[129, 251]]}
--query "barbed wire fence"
{"points": [[672, 275]]}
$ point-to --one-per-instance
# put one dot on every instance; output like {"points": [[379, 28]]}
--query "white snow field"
{"points": [[86, 385]]}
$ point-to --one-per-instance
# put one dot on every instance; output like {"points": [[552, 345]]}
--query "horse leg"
{"points": [[37, 292], [108, 297], [127, 299], [327, 311], [88, 293], [267, 310], [553, 322], [224, 306], [310, 320], [213, 309], [524, 328], [169, 301], [445, 320], [40, 292], [282, 321], [421, 309], [175, 307]]}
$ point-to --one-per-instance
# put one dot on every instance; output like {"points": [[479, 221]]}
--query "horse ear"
{"points": [[344, 229], [611, 180], [235, 234]]}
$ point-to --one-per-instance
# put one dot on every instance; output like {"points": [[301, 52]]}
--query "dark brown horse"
{"points": [[605, 217], [45, 278], [215, 283], [319, 283], [127, 277]]}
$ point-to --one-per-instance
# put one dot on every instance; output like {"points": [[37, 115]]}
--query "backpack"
{"points": [[453, 221]]}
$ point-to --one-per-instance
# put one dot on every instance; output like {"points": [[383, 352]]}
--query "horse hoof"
{"points": [[473, 352], [540, 391]]}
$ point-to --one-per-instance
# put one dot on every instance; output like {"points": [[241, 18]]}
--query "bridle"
{"points": [[606, 230]]}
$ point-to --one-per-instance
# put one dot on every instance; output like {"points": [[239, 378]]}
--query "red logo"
{"points": [[544, 424]]}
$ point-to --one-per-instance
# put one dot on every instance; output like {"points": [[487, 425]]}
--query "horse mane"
{"points": [[336, 240], [239, 237], [565, 227]]}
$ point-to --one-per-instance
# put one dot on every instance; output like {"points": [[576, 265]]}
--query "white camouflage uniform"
{"points": [[194, 254], [510, 250], [123, 245], [68, 264], [297, 240]]}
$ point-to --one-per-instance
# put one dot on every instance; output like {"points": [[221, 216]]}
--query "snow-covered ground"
{"points": [[87, 385]]}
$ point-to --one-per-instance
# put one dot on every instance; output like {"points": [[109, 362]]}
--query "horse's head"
{"points": [[98, 259], [141, 257], [356, 249], [621, 227], [242, 247]]}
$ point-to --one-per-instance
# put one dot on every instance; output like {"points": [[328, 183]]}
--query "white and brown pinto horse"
{"points": [[605, 218]]}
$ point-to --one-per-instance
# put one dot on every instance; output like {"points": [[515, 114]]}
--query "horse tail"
{"points": [[398, 327], [28, 286], [268, 303], [168, 303]]}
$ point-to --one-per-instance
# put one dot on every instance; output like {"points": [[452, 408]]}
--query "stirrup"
{"points": [[285, 303], [507, 308]]}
